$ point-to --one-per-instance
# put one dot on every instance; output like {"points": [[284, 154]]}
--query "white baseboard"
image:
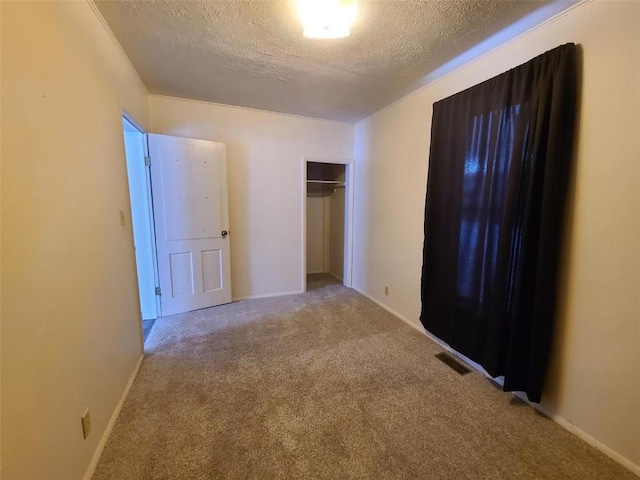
{"points": [[597, 444], [268, 295], [112, 421], [421, 329], [388, 309], [335, 275], [563, 422]]}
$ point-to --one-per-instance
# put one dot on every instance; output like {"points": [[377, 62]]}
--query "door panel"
{"points": [[181, 273], [211, 270], [190, 209]]}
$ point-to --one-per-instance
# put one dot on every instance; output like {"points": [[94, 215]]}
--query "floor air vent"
{"points": [[452, 363]]}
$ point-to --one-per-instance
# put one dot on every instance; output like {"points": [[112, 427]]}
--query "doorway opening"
{"points": [[328, 200], [138, 175]]}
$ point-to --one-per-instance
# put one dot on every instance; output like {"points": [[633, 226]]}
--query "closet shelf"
{"points": [[323, 179]]}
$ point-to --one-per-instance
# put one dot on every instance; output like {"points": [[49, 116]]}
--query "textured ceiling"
{"points": [[252, 53]]}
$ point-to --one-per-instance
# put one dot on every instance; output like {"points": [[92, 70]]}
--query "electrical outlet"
{"points": [[386, 290], [122, 218], [86, 423]]}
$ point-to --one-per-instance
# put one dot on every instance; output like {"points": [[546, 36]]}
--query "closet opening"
{"points": [[328, 213]]}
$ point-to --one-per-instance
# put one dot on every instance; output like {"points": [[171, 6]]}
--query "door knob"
{"points": [[224, 233]]}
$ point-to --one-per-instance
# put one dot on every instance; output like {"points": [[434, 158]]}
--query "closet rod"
{"points": [[326, 182]]}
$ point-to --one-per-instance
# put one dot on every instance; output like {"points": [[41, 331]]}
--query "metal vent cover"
{"points": [[453, 363]]}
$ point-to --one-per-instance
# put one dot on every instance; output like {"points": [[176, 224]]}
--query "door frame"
{"points": [[349, 202], [151, 227]]}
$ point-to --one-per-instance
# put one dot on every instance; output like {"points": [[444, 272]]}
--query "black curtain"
{"points": [[498, 170]]}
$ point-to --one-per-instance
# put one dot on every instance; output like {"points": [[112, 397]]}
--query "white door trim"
{"points": [[348, 217], [132, 121], [150, 228]]}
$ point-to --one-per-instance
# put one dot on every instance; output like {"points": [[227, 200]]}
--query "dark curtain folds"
{"points": [[498, 170]]}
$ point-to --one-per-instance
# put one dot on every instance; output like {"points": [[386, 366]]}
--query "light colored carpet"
{"points": [[325, 385]]}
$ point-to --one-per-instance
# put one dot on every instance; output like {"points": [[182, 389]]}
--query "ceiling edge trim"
{"points": [[105, 25], [272, 112], [430, 81]]}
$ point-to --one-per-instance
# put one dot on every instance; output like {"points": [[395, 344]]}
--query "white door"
{"points": [[189, 184]]}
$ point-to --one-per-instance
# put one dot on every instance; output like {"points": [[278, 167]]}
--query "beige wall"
{"points": [[264, 162], [336, 233], [0, 258], [595, 372], [70, 314], [315, 234]]}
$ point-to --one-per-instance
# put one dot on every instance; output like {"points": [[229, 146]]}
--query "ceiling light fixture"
{"points": [[327, 18]]}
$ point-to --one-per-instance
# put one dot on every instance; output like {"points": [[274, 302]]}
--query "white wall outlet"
{"points": [[122, 218], [86, 423], [386, 290]]}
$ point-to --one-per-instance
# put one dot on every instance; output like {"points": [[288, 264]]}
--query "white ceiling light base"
{"points": [[324, 19]]}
